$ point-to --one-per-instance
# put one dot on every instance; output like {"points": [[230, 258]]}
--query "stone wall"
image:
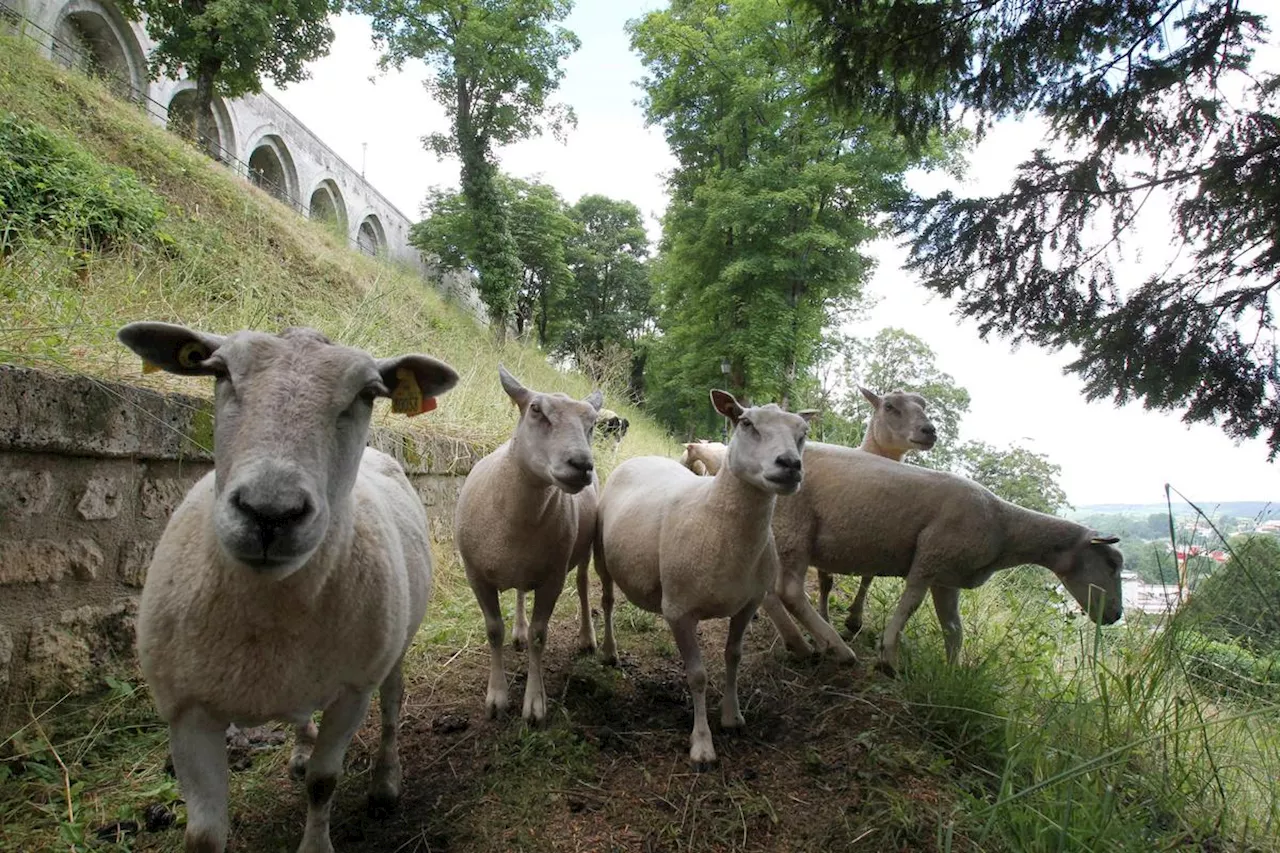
{"points": [[89, 473]]}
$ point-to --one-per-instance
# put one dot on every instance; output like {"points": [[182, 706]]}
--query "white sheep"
{"points": [[941, 532], [526, 514], [292, 577], [898, 425], [694, 548], [703, 457]]}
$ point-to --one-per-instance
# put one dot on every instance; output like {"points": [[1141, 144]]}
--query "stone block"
{"points": [[161, 496], [25, 492], [101, 498], [135, 558], [70, 654], [44, 560]]}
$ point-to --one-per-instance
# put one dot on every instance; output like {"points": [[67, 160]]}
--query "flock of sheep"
{"points": [[294, 576]]}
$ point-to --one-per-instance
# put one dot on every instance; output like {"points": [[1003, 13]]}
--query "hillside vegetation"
{"points": [[188, 242], [1052, 734]]}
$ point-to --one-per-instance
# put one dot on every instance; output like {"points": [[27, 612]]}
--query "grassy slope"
{"points": [[1050, 738]]}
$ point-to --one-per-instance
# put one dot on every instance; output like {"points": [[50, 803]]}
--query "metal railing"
{"points": [[73, 56]]}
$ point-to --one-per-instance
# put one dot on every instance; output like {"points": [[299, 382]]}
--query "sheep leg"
{"points": [[907, 605], [791, 591], [535, 691], [609, 649], [520, 627], [495, 700], [946, 603], [586, 630], [304, 740], [791, 636], [199, 748], [702, 753], [384, 792], [856, 610], [730, 714], [826, 581], [338, 725]]}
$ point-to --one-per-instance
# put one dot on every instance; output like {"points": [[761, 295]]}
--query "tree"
{"points": [[1146, 103], [496, 64], [1241, 600], [608, 301], [228, 46], [770, 202], [896, 360], [541, 228], [1018, 475]]}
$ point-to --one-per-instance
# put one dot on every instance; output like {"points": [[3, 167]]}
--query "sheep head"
{"points": [[1090, 571], [767, 443], [552, 441], [291, 422], [899, 423]]}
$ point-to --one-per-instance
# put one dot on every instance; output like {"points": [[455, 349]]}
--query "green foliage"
{"points": [[1018, 475], [1241, 600], [228, 46], [770, 202], [1150, 104], [495, 64], [52, 188], [1225, 669]]}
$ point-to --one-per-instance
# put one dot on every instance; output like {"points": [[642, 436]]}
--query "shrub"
{"points": [[50, 187]]}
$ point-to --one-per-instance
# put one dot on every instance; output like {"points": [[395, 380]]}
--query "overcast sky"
{"points": [[1107, 454]]}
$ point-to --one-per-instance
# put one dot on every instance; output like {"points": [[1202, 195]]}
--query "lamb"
{"points": [[941, 532], [525, 515], [694, 548], [293, 577], [898, 424], [612, 425]]}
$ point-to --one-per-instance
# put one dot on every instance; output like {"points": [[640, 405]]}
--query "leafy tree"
{"points": [[541, 228], [1241, 600], [770, 202], [496, 64], [228, 46], [1147, 103], [608, 301], [1018, 475], [896, 360]]}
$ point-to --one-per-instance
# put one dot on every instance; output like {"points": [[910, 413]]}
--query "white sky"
{"points": [[1107, 454]]}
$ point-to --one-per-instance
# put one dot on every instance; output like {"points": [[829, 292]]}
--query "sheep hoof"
{"points": [[298, 769], [495, 706], [518, 643], [887, 669], [734, 724], [382, 804], [587, 647], [609, 659]]}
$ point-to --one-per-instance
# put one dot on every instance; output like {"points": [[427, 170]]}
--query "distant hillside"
{"points": [[1235, 509]]}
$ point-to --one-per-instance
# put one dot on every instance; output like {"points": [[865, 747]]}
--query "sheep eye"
{"points": [[536, 408], [888, 407]]}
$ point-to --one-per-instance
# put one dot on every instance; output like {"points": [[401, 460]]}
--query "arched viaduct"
{"points": [[255, 134]]}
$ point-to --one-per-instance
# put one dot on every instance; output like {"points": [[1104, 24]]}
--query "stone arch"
{"points": [[182, 121], [371, 238], [271, 168], [93, 37], [326, 204]]}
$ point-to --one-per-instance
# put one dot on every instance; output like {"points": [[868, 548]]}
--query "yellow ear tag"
{"points": [[149, 367], [407, 398]]}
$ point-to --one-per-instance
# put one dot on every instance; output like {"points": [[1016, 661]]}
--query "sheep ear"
{"points": [[415, 381], [872, 397], [518, 393], [1104, 540], [809, 415], [726, 405], [595, 399], [176, 349]]}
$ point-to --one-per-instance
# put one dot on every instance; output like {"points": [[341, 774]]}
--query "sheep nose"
{"points": [[582, 463], [273, 511], [789, 462], [929, 430]]}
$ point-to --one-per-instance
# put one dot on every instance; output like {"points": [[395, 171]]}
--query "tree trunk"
{"points": [[206, 129]]}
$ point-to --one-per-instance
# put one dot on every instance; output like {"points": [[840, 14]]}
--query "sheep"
{"points": [[525, 515], [703, 457], [694, 548], [941, 532], [612, 425], [898, 424], [294, 575]]}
